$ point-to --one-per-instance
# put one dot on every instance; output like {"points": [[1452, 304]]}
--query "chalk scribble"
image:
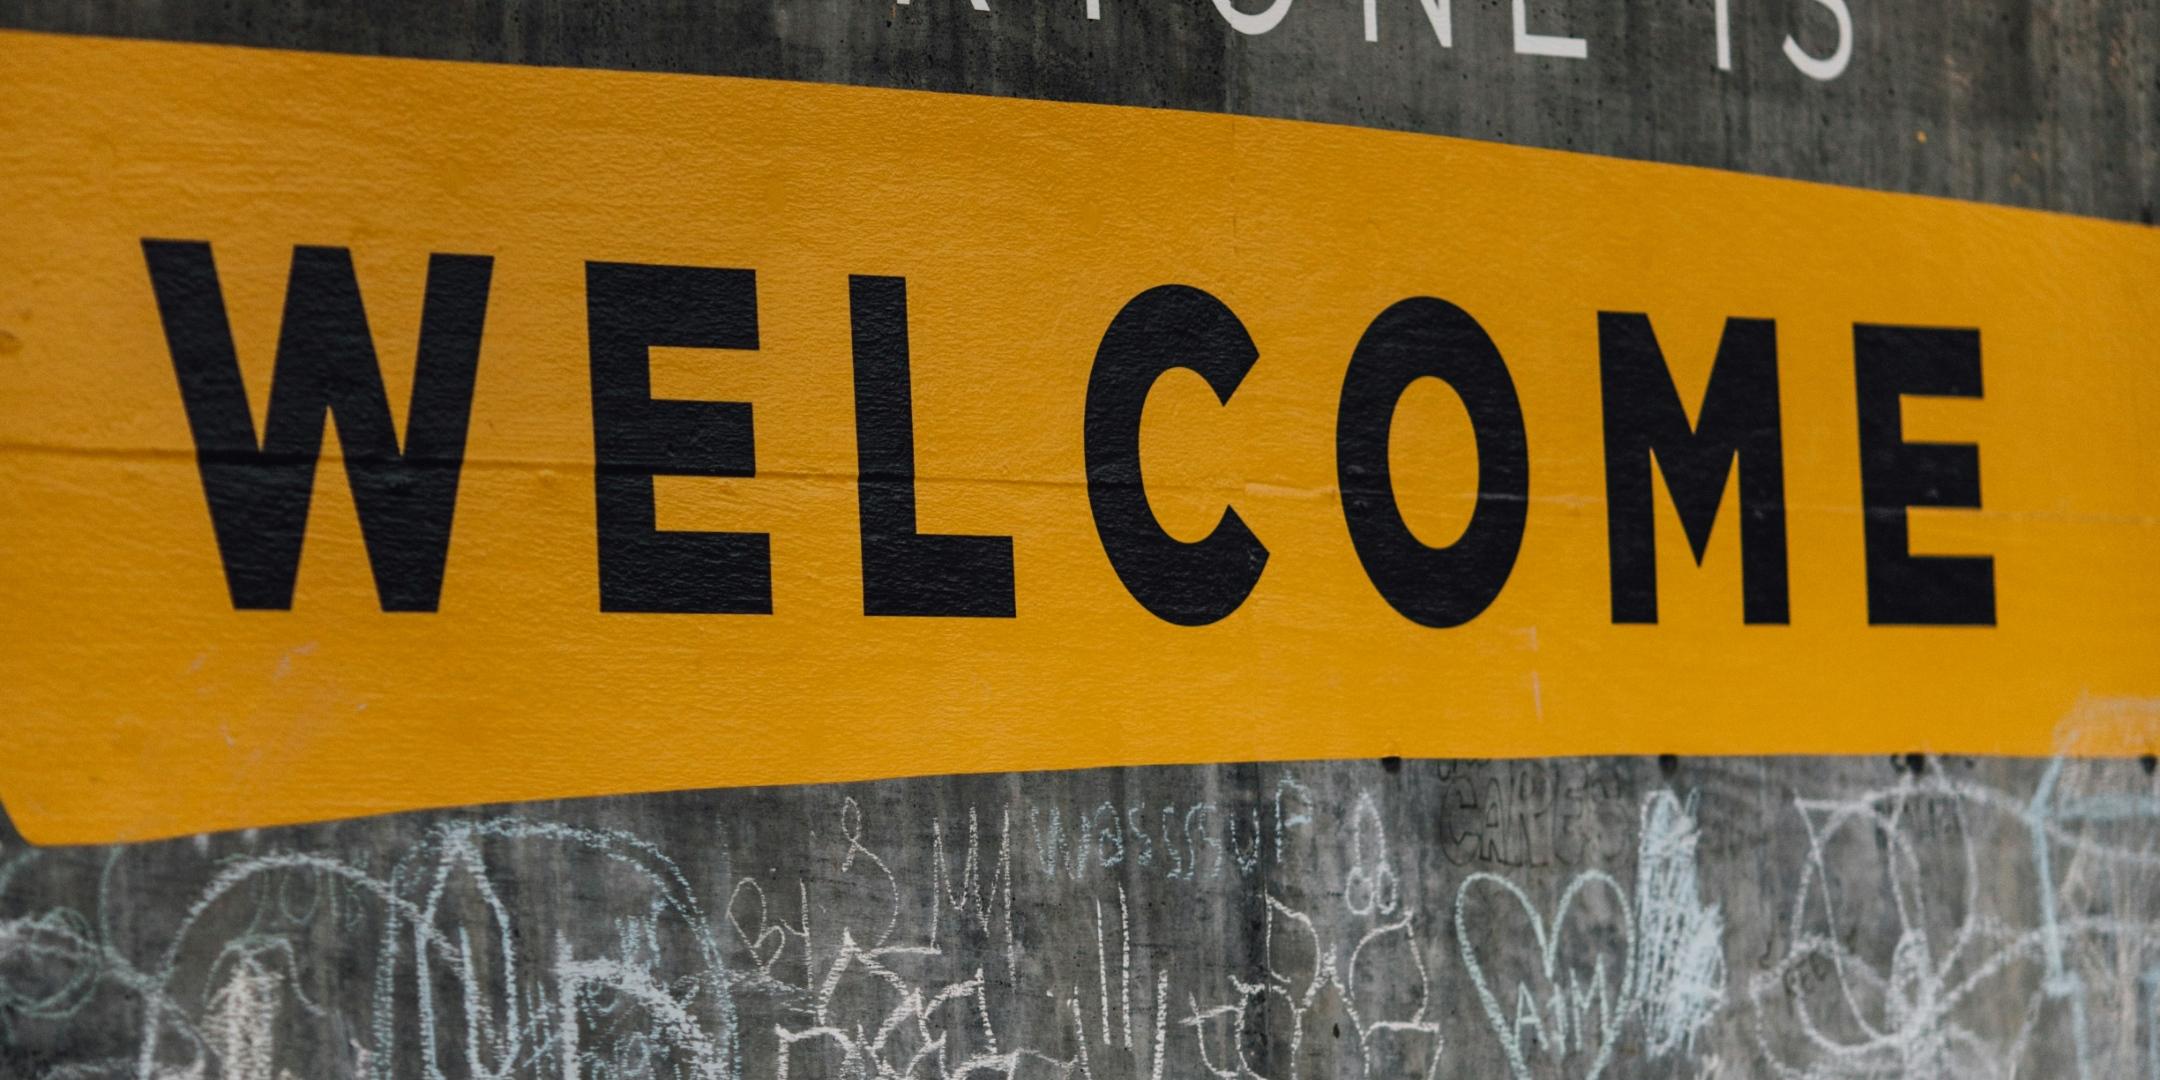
{"points": [[1583, 920]]}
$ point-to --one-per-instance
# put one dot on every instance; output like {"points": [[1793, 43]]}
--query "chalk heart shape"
{"points": [[1548, 937]]}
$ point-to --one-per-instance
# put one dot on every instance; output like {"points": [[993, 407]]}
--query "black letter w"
{"points": [[259, 492]]}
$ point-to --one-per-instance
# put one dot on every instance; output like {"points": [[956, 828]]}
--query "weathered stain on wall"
{"points": [[1819, 918]]}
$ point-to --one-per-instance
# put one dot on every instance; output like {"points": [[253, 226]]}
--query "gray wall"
{"points": [[2053, 105], [1698, 918], [1628, 917]]}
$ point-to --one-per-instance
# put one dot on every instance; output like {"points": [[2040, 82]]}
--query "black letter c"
{"points": [[1168, 326]]}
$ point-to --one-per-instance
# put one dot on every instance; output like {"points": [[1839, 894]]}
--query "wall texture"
{"points": [[2048, 105], [1614, 917], [1617, 917]]}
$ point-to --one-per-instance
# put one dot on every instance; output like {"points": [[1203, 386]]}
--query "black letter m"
{"points": [[259, 492], [1739, 419]]}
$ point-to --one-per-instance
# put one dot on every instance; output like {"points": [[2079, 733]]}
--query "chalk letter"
{"points": [[1738, 419], [984, 6], [326, 366], [1440, 13], [906, 572], [1529, 44], [630, 307], [1259, 22], [1823, 70], [1905, 589], [1427, 338], [1724, 35], [1168, 326]]}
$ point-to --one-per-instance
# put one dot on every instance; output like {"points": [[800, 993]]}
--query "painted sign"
{"points": [[380, 434]]}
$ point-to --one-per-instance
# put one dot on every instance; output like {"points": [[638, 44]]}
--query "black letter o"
{"points": [[1419, 338]]}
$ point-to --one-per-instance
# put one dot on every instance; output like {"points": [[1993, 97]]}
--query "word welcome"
{"points": [[258, 489]]}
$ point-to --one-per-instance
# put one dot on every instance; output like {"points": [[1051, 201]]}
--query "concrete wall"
{"points": [[1618, 917], [1822, 917], [2048, 105]]}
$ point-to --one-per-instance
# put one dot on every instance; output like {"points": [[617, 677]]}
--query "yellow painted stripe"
{"points": [[136, 702]]}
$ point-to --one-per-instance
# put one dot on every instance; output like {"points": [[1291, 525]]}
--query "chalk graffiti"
{"points": [[1918, 1001], [1241, 923], [1680, 946]]}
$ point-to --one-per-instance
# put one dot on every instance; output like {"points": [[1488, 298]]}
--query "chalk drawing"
{"points": [[1679, 939], [1315, 922], [1908, 1004], [1575, 1014]]}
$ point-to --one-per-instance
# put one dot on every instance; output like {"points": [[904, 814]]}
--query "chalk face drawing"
{"points": [[1912, 951], [1584, 919]]}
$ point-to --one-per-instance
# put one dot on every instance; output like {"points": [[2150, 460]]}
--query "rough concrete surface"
{"points": [[1620, 917], [1617, 917], [2051, 105]]}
